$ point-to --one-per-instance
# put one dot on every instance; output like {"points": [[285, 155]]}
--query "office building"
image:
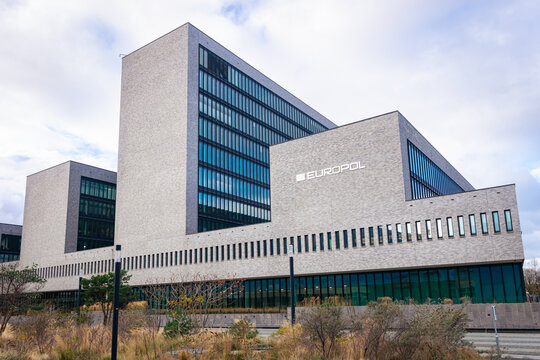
{"points": [[10, 242], [220, 169]]}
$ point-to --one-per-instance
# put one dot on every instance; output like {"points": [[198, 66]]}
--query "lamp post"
{"points": [[496, 333], [291, 268], [117, 269], [79, 291]]}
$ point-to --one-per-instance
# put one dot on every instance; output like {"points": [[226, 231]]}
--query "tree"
{"points": [[99, 290], [18, 289], [531, 276]]}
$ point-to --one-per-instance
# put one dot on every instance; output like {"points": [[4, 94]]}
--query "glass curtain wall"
{"points": [[238, 120], [10, 248]]}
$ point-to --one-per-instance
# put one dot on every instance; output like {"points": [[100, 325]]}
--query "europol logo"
{"points": [[334, 170]]}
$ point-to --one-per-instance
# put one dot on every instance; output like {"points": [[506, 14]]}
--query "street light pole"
{"points": [[496, 333], [291, 268], [117, 269], [79, 291]]}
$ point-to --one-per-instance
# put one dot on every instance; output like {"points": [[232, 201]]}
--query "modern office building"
{"points": [[220, 169], [10, 242]]}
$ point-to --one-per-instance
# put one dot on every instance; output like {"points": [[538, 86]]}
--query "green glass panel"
{"points": [[362, 289], [415, 286], [396, 286], [464, 284], [434, 285], [370, 278], [476, 284], [453, 284], [354, 290], [424, 285], [487, 289], [379, 285], [509, 283], [518, 276], [443, 281], [405, 286], [497, 281]]}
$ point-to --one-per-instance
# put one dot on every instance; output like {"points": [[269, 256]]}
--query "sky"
{"points": [[466, 74]]}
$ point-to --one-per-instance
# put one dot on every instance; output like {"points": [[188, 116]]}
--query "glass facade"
{"points": [[427, 179], [478, 284], [10, 248], [238, 120], [96, 214]]}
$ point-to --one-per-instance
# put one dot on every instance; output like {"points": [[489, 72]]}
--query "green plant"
{"points": [[180, 323], [243, 329]]}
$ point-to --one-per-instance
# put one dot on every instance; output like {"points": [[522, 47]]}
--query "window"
{"points": [[398, 233], [439, 228], [222, 252], [240, 251], [450, 227], [345, 239], [217, 253], [353, 238], [508, 220], [258, 248], [329, 238], [496, 223], [409, 231], [271, 247], [337, 240], [429, 235], [190, 256], [371, 236], [418, 230], [321, 241], [228, 252], [299, 244], [380, 234], [264, 248], [362, 237], [284, 245], [389, 233], [252, 249], [234, 251], [483, 220], [278, 248], [211, 254], [306, 243], [461, 225], [313, 242], [472, 224]]}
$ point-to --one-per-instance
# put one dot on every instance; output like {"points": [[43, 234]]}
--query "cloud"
{"points": [[464, 73], [536, 174]]}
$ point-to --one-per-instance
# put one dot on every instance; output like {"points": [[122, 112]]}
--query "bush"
{"points": [[36, 329], [243, 329], [180, 323]]}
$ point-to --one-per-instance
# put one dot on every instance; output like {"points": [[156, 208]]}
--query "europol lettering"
{"points": [[334, 170]]}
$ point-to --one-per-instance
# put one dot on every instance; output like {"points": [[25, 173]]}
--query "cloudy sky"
{"points": [[465, 73]]}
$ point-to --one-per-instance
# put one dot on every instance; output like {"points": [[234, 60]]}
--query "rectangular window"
{"points": [[508, 220], [153, 260], [450, 226], [271, 247], [306, 243], [472, 224], [234, 251], [212, 254], [389, 233], [284, 245], [380, 234], [345, 239], [299, 244], [205, 255], [228, 252], [418, 230], [461, 225], [329, 240], [438, 222], [398, 233], [278, 248], [264, 248], [252, 249], [313, 242], [191, 256], [246, 253], [496, 223], [371, 236], [239, 250], [338, 245], [353, 238], [222, 252], [409, 231], [258, 248], [362, 237], [429, 235], [483, 220]]}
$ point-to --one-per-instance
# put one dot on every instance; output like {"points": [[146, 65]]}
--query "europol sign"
{"points": [[334, 170]]}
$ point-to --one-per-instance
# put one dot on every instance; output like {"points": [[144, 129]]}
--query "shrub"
{"points": [[243, 329], [180, 323]]}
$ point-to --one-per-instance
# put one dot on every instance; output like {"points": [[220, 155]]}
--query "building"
{"points": [[10, 242], [208, 143]]}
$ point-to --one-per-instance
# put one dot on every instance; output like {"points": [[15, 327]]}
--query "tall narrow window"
{"points": [[483, 221], [313, 242], [438, 222], [472, 224], [228, 252], [284, 245], [461, 225], [362, 237], [508, 220], [306, 243], [353, 238], [265, 253], [278, 247], [398, 233], [429, 235], [252, 249], [371, 236], [338, 242], [321, 241], [389, 233], [271, 247], [409, 231], [329, 240], [496, 223], [450, 227], [299, 244], [380, 234], [418, 230], [234, 251], [345, 239]]}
